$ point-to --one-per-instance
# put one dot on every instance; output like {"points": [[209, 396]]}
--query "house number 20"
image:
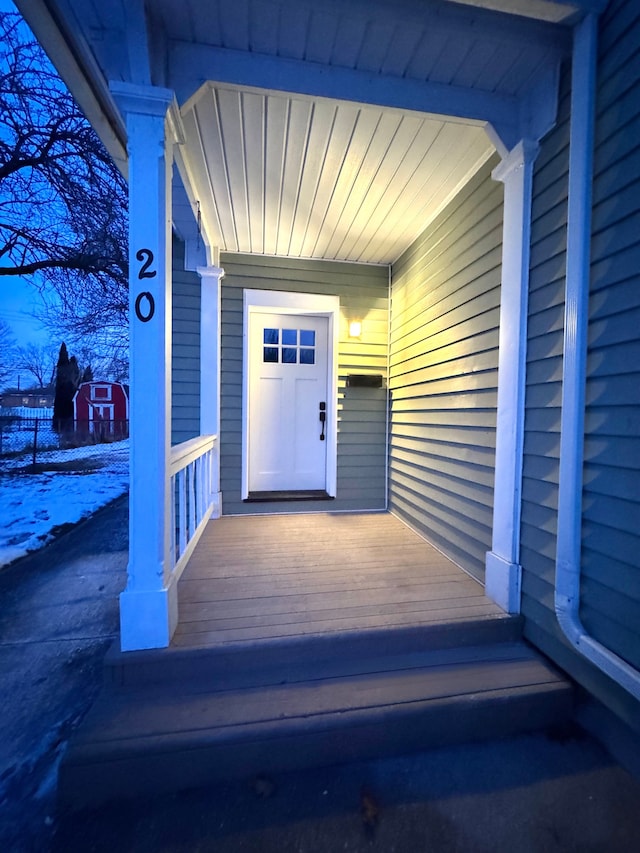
{"points": [[144, 314]]}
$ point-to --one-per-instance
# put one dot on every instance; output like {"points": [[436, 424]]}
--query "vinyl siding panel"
{"points": [[610, 567], [610, 600], [185, 365], [362, 412], [443, 375]]}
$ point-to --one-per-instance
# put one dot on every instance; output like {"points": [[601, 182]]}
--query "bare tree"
{"points": [[63, 204], [39, 361], [8, 354], [95, 360]]}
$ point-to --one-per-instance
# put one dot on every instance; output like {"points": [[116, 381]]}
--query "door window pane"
{"points": [[289, 346], [271, 355]]}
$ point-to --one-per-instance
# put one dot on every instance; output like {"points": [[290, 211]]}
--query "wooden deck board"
{"points": [[288, 617], [260, 577], [228, 588], [323, 600], [309, 630]]}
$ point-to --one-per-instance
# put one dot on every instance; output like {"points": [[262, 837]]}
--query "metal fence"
{"points": [[32, 443]]}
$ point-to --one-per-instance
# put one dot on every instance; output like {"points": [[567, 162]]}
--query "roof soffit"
{"points": [[452, 58], [414, 60], [438, 44]]}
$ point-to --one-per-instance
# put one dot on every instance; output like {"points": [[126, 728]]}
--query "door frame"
{"points": [[285, 302], [108, 422]]}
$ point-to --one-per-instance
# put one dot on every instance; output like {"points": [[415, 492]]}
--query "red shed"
{"points": [[102, 408]]}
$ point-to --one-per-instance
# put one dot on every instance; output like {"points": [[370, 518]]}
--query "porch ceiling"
{"points": [[315, 178], [316, 129]]}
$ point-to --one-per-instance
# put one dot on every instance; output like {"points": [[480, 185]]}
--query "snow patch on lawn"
{"points": [[33, 506]]}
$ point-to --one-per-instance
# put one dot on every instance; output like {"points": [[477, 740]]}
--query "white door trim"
{"points": [[281, 302]]}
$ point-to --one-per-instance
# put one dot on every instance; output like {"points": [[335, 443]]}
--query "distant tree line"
{"points": [[34, 366]]}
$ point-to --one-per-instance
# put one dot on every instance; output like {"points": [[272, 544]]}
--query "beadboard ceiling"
{"points": [[317, 178]]}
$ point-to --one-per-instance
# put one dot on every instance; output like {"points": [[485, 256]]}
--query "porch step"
{"points": [[155, 738], [274, 661]]}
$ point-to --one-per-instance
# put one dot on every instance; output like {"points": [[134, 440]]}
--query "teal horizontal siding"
{"points": [[443, 375], [610, 560], [185, 364], [610, 601], [362, 413]]}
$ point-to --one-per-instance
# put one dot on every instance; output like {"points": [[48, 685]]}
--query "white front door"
{"points": [[287, 412]]}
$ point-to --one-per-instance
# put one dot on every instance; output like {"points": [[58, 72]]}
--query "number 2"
{"points": [[146, 256]]}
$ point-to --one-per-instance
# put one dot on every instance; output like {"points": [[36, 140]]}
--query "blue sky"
{"points": [[18, 299]]}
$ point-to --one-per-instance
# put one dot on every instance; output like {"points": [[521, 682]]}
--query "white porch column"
{"points": [[210, 350], [148, 605], [503, 570]]}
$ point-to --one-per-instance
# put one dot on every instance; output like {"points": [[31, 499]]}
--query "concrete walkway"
{"points": [[58, 616], [546, 793], [523, 795]]}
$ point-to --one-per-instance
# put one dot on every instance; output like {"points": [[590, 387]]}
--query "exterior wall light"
{"points": [[355, 328]]}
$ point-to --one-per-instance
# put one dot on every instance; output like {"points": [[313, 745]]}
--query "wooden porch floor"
{"points": [[273, 577]]}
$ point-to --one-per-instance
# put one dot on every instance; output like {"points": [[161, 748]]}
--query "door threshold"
{"points": [[289, 495]]}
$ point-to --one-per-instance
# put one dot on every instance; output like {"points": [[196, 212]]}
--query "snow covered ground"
{"points": [[34, 506]]}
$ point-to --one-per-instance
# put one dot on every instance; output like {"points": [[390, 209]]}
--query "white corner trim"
{"points": [[285, 302], [502, 578]]}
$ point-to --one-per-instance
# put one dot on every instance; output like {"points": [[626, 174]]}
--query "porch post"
{"points": [[210, 350], [148, 605], [503, 570]]}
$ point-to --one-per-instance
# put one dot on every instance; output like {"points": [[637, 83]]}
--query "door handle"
{"points": [[323, 418]]}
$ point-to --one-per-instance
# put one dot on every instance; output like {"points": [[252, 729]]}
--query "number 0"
{"points": [[145, 315]]}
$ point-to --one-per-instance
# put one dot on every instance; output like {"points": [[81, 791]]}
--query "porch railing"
{"points": [[194, 477]]}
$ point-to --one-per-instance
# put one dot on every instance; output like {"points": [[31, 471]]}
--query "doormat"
{"points": [[295, 495]]}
